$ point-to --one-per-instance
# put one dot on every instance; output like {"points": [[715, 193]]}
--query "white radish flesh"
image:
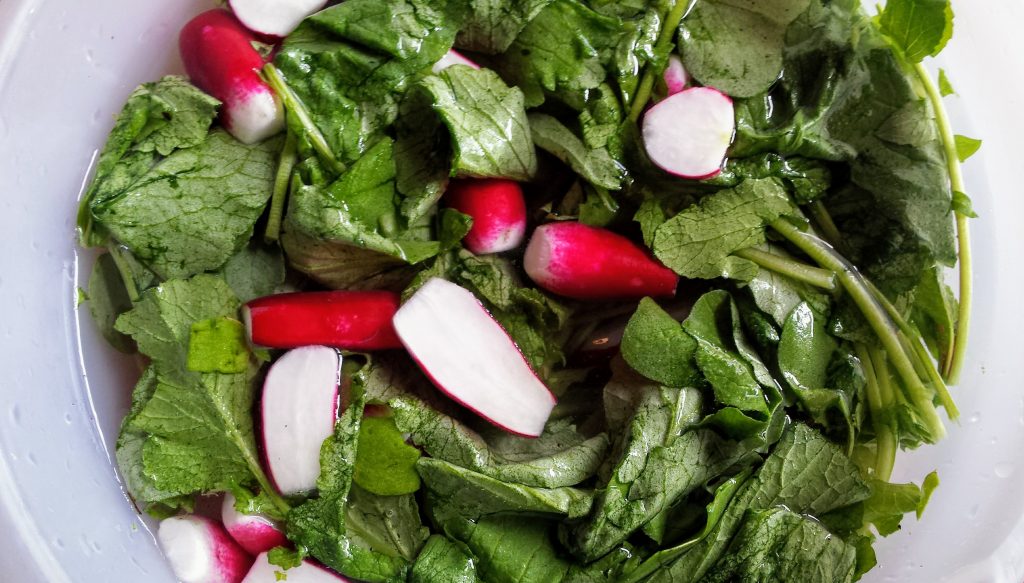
{"points": [[299, 408], [675, 75], [253, 532], [308, 572], [471, 358], [452, 58], [688, 134], [274, 17], [200, 551]]}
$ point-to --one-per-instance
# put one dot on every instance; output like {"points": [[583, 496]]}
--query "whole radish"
{"points": [[253, 532], [200, 550], [675, 76], [497, 208], [219, 57], [349, 320]]}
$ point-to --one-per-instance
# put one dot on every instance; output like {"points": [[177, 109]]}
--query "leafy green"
{"points": [[492, 25], [255, 271], [594, 165], [108, 299], [218, 345], [442, 561], [945, 87], [655, 345], [385, 464], [390, 525], [340, 265], [966, 147], [918, 28]]}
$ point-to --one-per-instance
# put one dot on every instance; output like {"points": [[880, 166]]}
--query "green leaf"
{"points": [[492, 25], [341, 265], [255, 271], [966, 147], [918, 28], [595, 166], [945, 87], [935, 313], [655, 345], [699, 241], [962, 204], [194, 209], [442, 561], [422, 156], [777, 295], [911, 125], [390, 525], [108, 299], [385, 464], [218, 345], [928, 486]]}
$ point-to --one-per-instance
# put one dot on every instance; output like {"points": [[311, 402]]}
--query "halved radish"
{"points": [[675, 75], [452, 58], [254, 532], [220, 59], [498, 211], [471, 358], [589, 263], [688, 134], [298, 410], [349, 320], [274, 17], [308, 572], [200, 550]]}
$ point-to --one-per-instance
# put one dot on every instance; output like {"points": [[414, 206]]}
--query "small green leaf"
{"points": [[284, 557], [218, 345], [656, 346], [962, 204], [966, 147], [928, 486], [945, 87], [385, 464], [918, 28]]}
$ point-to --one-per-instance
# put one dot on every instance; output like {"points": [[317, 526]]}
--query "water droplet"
{"points": [[973, 512], [15, 415], [975, 417], [96, 547], [67, 418], [57, 542], [90, 56], [1004, 470], [31, 457]]}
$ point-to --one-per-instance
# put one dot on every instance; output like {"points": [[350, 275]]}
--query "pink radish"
{"points": [[308, 572], [274, 17], [452, 58], [588, 263], [471, 358], [349, 320], [688, 134], [254, 532], [200, 551], [498, 211], [675, 76], [220, 59], [298, 410]]}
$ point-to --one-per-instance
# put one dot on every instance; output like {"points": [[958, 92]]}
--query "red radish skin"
{"points": [[676, 78], [688, 134], [220, 59], [200, 551], [349, 320], [253, 532], [471, 358], [274, 18], [452, 58], [589, 263], [498, 211], [308, 572], [298, 409]]}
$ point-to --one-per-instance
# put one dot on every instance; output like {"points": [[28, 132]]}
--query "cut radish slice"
{"points": [[688, 134], [471, 358], [308, 572], [254, 532], [200, 551], [349, 320], [452, 58], [675, 75], [299, 408], [497, 208], [588, 263], [274, 17]]}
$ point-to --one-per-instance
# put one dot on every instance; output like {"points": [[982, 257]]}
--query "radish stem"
{"points": [[116, 253], [293, 104], [643, 92], [815, 276], [880, 401], [281, 181]]}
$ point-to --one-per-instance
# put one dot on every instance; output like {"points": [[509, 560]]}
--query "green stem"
{"points": [[825, 223], [294, 104], [281, 182], [876, 316], [643, 92], [116, 253], [955, 359], [815, 276], [881, 417]]}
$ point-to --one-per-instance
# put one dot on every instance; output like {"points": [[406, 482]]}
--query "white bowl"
{"points": [[66, 67]]}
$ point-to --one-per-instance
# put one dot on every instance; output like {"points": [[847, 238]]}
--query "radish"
{"points": [[200, 551], [349, 320], [471, 358], [687, 134], [274, 18], [253, 532], [308, 572], [452, 58], [675, 76], [498, 211], [298, 411], [589, 263], [220, 59]]}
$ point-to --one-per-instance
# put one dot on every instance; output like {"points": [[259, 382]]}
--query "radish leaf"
{"points": [[966, 147], [918, 28], [385, 464], [656, 346], [442, 561], [492, 25]]}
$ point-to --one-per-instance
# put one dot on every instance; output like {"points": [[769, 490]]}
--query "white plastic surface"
{"points": [[65, 69]]}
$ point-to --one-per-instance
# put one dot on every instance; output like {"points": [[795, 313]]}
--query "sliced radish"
{"points": [[675, 75], [274, 17], [471, 358], [498, 211], [589, 263], [299, 408], [200, 550], [220, 59], [452, 58], [349, 320], [254, 532], [308, 572], [688, 134]]}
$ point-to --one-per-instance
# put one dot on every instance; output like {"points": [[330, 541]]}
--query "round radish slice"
{"points": [[254, 532], [452, 58], [200, 551], [688, 134], [274, 17], [308, 572]]}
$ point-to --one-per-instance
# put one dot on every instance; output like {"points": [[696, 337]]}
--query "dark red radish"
{"points": [[200, 551], [675, 76], [275, 18], [688, 134], [471, 358], [298, 410], [219, 57], [349, 320], [263, 571], [589, 263], [452, 58], [498, 211], [253, 532]]}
